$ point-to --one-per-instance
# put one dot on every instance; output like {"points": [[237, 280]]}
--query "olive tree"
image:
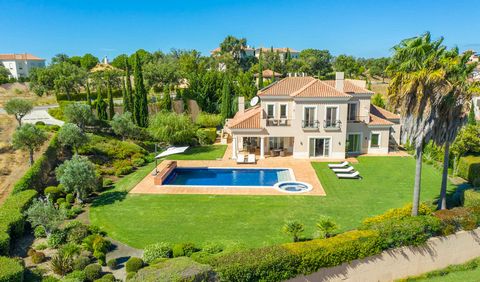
{"points": [[43, 213], [71, 135], [79, 114], [29, 138], [77, 176], [122, 125], [19, 108]]}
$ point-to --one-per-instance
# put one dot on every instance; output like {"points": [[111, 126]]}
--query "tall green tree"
{"points": [[128, 102], [100, 104], [140, 105], [88, 61], [29, 138], [19, 108], [316, 62], [166, 102], [111, 106], [89, 95], [260, 70], [226, 107], [77, 176], [417, 76], [471, 116], [349, 65], [72, 135]]}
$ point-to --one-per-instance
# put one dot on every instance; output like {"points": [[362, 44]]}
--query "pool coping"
{"points": [[301, 170]]}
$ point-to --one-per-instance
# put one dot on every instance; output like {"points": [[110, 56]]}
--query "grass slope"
{"points": [[252, 221]]}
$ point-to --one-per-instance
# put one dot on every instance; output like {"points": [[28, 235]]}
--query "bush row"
{"points": [[11, 270], [12, 221], [207, 136], [116, 93], [469, 168], [37, 174]]}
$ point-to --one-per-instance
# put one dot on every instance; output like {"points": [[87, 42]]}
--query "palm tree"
{"points": [[418, 77], [452, 109]]}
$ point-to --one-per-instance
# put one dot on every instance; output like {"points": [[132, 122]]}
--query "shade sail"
{"points": [[172, 151]]}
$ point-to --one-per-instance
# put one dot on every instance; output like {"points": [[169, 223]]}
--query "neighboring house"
{"points": [[255, 52], [20, 65], [248, 52], [268, 74], [311, 118]]}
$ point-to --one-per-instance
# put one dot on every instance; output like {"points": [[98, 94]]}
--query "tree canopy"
{"points": [[19, 108], [29, 138]]}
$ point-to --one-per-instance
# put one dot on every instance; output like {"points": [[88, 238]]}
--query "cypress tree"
{"points": [[260, 70], [124, 97], [166, 99], [128, 102], [140, 105], [111, 109], [89, 101], [100, 105], [226, 108], [471, 116]]}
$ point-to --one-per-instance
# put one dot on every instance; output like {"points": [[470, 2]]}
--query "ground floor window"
{"points": [[250, 144], [353, 143], [319, 147], [276, 142], [375, 140]]}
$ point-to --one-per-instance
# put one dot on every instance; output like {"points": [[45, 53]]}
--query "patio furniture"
{"points": [[251, 159], [344, 164], [282, 153], [355, 175], [240, 159], [272, 153], [343, 170]]}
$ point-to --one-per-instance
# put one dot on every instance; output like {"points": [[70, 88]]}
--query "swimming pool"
{"points": [[202, 176]]}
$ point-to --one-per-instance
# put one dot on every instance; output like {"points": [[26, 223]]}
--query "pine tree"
{"points": [[128, 102], [111, 109], [471, 116], [140, 105], [260, 70], [226, 108]]}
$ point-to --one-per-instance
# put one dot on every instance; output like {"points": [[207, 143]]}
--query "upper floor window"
{"points": [[283, 111], [309, 119], [331, 117], [270, 111], [352, 111]]}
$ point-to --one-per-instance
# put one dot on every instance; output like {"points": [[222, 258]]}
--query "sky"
{"points": [[362, 28]]}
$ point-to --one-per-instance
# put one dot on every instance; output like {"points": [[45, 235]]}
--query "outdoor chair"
{"points": [[240, 159], [344, 164], [251, 159], [355, 175], [343, 170]]}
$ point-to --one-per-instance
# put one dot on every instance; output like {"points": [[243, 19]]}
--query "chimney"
{"points": [[339, 81], [241, 104]]}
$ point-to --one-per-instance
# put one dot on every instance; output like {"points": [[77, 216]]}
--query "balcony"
{"points": [[310, 124], [332, 124], [357, 119], [278, 122]]}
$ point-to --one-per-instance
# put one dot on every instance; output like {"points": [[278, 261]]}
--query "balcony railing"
{"points": [[332, 124], [278, 122], [310, 124], [357, 119]]}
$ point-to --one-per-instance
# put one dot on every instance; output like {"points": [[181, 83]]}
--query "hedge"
{"points": [[12, 221], [10, 270], [471, 199], [116, 93], [37, 174], [469, 168], [206, 136]]}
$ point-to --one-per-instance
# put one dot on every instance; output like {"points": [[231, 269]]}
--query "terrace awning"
{"points": [[171, 151]]}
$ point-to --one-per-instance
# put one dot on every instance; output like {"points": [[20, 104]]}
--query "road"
{"points": [[39, 113]]}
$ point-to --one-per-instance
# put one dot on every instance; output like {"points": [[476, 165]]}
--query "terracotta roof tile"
{"points": [[301, 87], [350, 87], [382, 113], [375, 120], [321, 90], [250, 119], [20, 57], [268, 73]]}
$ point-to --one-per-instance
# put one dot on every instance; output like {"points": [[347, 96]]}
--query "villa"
{"points": [[310, 118], [255, 52], [20, 65]]}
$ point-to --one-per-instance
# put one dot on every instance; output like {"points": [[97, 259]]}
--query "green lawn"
{"points": [[211, 152], [467, 272], [253, 221]]}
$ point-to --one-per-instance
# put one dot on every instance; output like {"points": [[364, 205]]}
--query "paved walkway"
{"points": [[40, 113]]}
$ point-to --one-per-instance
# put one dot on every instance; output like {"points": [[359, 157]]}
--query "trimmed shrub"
{"points": [[39, 232], [399, 213], [202, 257], [100, 256], [70, 198], [107, 278], [53, 193], [471, 199], [212, 248], [156, 251], [57, 238], [38, 257], [76, 231], [206, 136], [457, 219], [407, 231], [184, 249], [76, 275], [81, 262], [93, 271], [133, 264], [122, 167], [469, 169], [112, 264], [10, 270], [60, 201]]}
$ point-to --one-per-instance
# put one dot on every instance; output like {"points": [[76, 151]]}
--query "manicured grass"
{"points": [[467, 272], [211, 152], [139, 220]]}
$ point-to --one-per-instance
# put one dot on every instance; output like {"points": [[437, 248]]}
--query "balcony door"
{"points": [[353, 143], [331, 116], [319, 147], [309, 116]]}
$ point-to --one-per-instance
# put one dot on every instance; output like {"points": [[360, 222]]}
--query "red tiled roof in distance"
{"points": [[20, 57]]}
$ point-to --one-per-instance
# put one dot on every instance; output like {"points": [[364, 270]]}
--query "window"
{"points": [[283, 111], [309, 117], [270, 111], [375, 140], [319, 147], [331, 117], [276, 143], [352, 112]]}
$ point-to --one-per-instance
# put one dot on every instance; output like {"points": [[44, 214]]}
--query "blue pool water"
{"points": [[227, 176]]}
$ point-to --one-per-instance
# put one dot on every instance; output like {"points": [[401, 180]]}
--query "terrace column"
{"points": [[234, 148], [262, 147]]}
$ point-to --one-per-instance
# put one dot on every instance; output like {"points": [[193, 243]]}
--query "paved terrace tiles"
{"points": [[302, 170]]}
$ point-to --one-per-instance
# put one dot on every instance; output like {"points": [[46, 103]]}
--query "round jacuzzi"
{"points": [[292, 187]]}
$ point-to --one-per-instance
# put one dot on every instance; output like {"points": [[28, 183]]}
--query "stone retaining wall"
{"points": [[403, 262]]}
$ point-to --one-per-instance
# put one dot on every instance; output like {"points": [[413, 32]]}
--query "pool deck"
{"points": [[302, 170]]}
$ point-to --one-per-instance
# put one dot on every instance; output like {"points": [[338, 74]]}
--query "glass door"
{"points": [[353, 143], [319, 147], [331, 120], [309, 117]]}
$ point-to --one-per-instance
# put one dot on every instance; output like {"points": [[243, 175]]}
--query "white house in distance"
{"points": [[310, 118], [19, 65]]}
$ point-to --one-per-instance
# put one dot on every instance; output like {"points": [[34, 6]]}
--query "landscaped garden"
{"points": [[253, 221]]}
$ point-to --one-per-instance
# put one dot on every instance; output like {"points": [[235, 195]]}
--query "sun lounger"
{"points": [[349, 169], [344, 164], [240, 159], [251, 159], [354, 175]]}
